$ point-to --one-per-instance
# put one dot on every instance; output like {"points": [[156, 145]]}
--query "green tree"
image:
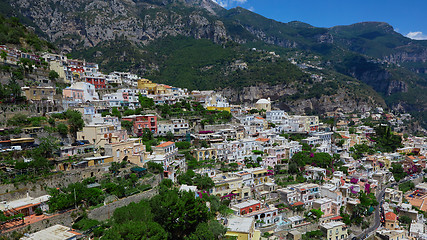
{"points": [[183, 145], [26, 64], [154, 167], [53, 75], [75, 122], [47, 147], [62, 129], [398, 172], [179, 212], [145, 102], [212, 230], [203, 182], [128, 125], [115, 112], [405, 220], [170, 136], [3, 55], [314, 214], [136, 230]]}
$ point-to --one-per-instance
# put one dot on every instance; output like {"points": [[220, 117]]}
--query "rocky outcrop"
{"points": [[253, 93], [408, 54], [396, 87], [79, 22], [349, 103]]}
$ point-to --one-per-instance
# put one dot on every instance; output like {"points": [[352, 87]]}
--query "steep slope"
{"points": [[129, 34]]}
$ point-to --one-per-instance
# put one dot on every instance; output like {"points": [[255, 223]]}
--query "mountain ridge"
{"points": [[371, 52]]}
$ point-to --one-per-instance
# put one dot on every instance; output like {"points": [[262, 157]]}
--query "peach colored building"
{"points": [[73, 94]]}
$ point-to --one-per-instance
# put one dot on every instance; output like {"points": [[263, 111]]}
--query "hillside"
{"points": [[144, 36]]}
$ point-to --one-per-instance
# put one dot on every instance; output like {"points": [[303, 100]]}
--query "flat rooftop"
{"points": [[245, 204], [240, 224], [57, 232], [330, 225]]}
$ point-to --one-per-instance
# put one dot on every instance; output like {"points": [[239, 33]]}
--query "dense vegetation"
{"points": [[170, 215], [197, 64], [194, 179], [360, 211], [12, 31], [79, 194], [30, 165]]}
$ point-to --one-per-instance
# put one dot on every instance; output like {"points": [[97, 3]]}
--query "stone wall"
{"points": [[105, 212], [62, 219], [10, 192]]}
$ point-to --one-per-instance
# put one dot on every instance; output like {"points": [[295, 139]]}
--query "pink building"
{"points": [[270, 161], [327, 206], [141, 122], [71, 94]]}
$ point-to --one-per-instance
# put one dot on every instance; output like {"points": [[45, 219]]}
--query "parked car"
{"points": [[16, 148]]}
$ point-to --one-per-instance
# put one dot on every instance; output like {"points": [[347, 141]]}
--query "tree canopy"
{"points": [[169, 215]]}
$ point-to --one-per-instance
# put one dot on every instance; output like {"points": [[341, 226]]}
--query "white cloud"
{"points": [[417, 35], [229, 3], [252, 9]]}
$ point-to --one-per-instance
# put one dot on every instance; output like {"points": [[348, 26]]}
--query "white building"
{"points": [[275, 116], [175, 126]]}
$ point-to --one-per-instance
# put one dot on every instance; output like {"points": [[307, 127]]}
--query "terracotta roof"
{"points": [[166, 144], [74, 232], [390, 216], [298, 204], [259, 118], [262, 139], [345, 137], [336, 218]]}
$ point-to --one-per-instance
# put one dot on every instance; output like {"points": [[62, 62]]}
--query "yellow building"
{"points": [[59, 68], [385, 161], [242, 228], [101, 134], [205, 154], [152, 88], [131, 151], [95, 161], [86, 162], [228, 109], [334, 230], [391, 234], [230, 187], [260, 176], [391, 222], [35, 93], [217, 102]]}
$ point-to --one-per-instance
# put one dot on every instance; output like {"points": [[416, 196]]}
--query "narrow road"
{"points": [[377, 217]]}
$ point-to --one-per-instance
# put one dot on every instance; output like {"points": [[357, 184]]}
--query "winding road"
{"points": [[377, 217]]}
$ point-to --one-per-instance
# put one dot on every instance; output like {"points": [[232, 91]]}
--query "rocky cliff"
{"points": [[379, 56]]}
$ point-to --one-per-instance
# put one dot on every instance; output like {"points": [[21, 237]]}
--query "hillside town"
{"points": [[278, 175]]}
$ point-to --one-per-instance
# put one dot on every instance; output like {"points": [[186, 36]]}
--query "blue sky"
{"points": [[407, 17]]}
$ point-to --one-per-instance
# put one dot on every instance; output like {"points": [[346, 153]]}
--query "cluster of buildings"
{"points": [[254, 146]]}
